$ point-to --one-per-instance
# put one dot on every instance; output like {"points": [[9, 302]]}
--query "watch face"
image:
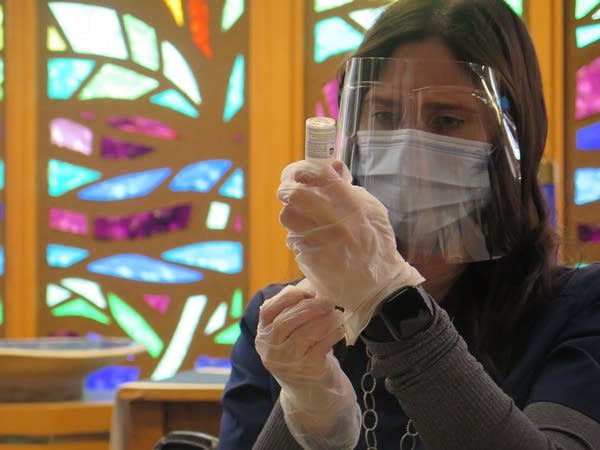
{"points": [[405, 304]]}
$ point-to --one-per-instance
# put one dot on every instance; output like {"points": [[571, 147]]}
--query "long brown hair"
{"points": [[494, 301]]}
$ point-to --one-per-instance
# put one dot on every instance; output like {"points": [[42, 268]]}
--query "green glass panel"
{"points": [[174, 100], [232, 11], [324, 5], [1, 79], [113, 81], [237, 304], [54, 40], [1, 27], [235, 89], [134, 325], [86, 288], [583, 7], [80, 308], [516, 5], [366, 17], [142, 42], [91, 29], [56, 294], [182, 338], [176, 69], [217, 319], [229, 335], [587, 35], [1, 312]]}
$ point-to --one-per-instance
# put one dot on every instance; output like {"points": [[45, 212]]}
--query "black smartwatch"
{"points": [[400, 315]]}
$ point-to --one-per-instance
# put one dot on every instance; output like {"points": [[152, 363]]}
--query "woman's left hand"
{"points": [[342, 239]]}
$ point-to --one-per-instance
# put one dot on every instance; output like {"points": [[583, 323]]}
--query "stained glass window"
{"points": [[145, 198], [582, 131]]}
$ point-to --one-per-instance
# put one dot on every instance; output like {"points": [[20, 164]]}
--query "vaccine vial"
{"points": [[319, 139]]}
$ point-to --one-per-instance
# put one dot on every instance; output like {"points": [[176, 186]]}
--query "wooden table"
{"points": [[76, 425], [147, 410]]}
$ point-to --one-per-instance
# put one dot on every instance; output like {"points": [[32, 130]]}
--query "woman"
{"points": [[477, 341]]}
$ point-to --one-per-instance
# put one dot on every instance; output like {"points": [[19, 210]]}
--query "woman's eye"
{"points": [[446, 123], [385, 118]]}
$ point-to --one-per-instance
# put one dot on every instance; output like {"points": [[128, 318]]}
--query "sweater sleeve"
{"points": [[275, 434], [452, 401]]}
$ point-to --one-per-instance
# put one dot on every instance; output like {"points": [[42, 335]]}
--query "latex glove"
{"points": [[296, 332], [342, 240]]}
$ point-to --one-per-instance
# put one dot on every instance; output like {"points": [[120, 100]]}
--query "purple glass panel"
{"points": [[588, 90], [68, 221], [71, 135], [112, 148], [330, 92], [157, 302], [588, 233], [1, 211], [143, 126], [588, 138], [142, 224]]}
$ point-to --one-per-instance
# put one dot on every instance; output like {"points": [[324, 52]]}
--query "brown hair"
{"points": [[494, 301]]}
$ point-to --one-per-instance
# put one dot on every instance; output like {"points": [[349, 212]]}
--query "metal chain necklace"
{"points": [[370, 419]]}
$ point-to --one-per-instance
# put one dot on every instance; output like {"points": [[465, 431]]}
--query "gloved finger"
{"points": [[321, 348], [288, 296], [294, 317], [310, 173]]}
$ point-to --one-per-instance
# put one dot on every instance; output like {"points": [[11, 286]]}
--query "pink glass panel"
{"points": [[72, 135], [587, 100], [157, 302], [143, 126], [68, 221]]}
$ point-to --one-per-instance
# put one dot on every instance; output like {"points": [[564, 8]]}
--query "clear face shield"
{"points": [[431, 141]]}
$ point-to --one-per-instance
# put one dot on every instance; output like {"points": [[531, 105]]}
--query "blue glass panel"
{"points": [[91, 29], [588, 138], [175, 101], [107, 379], [64, 177], [587, 34], [132, 185], [65, 75], [220, 256], [63, 255], [587, 185], [334, 36], [235, 89], [132, 266], [200, 176], [233, 187], [1, 260], [2, 177]]}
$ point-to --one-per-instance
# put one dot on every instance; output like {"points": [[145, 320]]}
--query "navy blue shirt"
{"points": [[561, 365]]}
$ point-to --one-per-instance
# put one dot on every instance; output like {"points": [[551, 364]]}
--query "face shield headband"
{"points": [[429, 140]]}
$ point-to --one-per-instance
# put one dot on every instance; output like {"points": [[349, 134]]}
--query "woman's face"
{"points": [[428, 91]]}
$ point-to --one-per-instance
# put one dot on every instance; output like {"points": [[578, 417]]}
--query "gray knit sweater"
{"points": [[454, 403]]}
